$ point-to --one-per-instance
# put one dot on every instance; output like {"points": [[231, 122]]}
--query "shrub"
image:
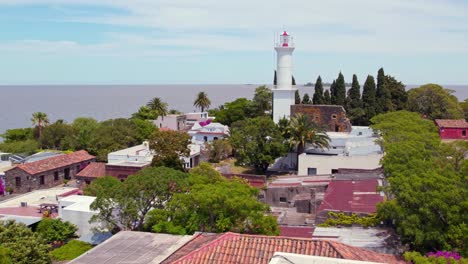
{"points": [[335, 219], [56, 230], [71, 250]]}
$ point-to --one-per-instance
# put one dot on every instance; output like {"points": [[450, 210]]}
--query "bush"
{"points": [[71, 250], [336, 219], [56, 230]]}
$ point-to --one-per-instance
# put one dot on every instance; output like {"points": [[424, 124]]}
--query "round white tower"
{"points": [[283, 93]]}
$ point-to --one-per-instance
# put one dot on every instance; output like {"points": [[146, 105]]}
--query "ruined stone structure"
{"points": [[332, 117]]}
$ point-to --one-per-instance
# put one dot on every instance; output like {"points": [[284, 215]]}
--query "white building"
{"points": [[357, 149], [283, 93], [207, 133], [76, 210], [172, 122], [141, 155]]}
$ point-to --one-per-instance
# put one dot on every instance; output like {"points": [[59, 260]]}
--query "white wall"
{"points": [[324, 164], [282, 101]]}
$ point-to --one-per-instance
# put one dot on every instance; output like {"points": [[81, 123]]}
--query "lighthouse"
{"points": [[283, 92]]}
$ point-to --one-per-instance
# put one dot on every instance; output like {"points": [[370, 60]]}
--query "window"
{"points": [[88, 182], [334, 116], [41, 180], [56, 176], [311, 171], [334, 171], [205, 138], [360, 134], [261, 196], [215, 138], [66, 173], [18, 181], [283, 200], [464, 133]]}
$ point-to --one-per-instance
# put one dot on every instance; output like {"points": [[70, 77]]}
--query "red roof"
{"points": [[55, 162], [93, 170], [297, 231], [242, 248], [352, 196], [451, 123], [23, 211], [285, 33]]}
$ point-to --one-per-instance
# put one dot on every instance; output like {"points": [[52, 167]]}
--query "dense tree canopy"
{"points": [[262, 100], [368, 98], [236, 110], [257, 142], [302, 130], [340, 90], [429, 193], [168, 147], [306, 99], [434, 101], [24, 246], [326, 97], [297, 97], [55, 230], [318, 92]]}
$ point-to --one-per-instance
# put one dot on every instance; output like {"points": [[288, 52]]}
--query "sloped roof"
{"points": [[352, 196], [296, 231], [93, 170], [55, 162], [452, 123], [242, 248]]}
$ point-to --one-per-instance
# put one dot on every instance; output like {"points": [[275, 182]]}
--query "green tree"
{"points": [[464, 107], [262, 100], [398, 93], [202, 101], [219, 150], [145, 113], [236, 110], [27, 147], [84, 133], [55, 230], [158, 106], [40, 120], [169, 147], [283, 126], [326, 97], [18, 134], [297, 97], [368, 99], [429, 204], [340, 89], [257, 141], [124, 206], [306, 99], [333, 93], [57, 136], [383, 94], [25, 247], [214, 204], [143, 129], [113, 135], [5, 256], [318, 93], [303, 130], [435, 102], [293, 81], [354, 103]]}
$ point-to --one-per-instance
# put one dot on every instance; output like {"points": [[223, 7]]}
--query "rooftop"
{"points": [[288, 258], [296, 231], [79, 202], [35, 198], [138, 150], [133, 247], [451, 123], [55, 162], [352, 196], [93, 170], [243, 248]]}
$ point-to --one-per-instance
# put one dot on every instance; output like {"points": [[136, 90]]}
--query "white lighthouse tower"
{"points": [[283, 92]]}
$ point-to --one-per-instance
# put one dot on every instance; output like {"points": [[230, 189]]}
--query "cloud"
{"points": [[364, 26]]}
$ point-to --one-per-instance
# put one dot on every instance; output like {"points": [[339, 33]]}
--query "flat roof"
{"points": [[27, 220], [128, 247], [138, 150], [80, 203], [35, 198]]}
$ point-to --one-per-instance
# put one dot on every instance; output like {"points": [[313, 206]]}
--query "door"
{"points": [[66, 173]]}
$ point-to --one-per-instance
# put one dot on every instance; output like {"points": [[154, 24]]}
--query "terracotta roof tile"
{"points": [[352, 196], [451, 123], [93, 170], [242, 248], [55, 162]]}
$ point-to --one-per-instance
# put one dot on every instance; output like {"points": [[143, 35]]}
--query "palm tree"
{"points": [[202, 101], [158, 106], [302, 131], [40, 120]]}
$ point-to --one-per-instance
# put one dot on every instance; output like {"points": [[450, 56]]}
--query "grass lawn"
{"points": [[70, 251]]}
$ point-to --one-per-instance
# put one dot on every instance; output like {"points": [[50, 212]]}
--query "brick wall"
{"points": [[332, 117]]}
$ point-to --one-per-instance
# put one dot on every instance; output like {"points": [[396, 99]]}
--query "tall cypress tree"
{"points": [[354, 94], [318, 93], [326, 97], [340, 89], [306, 99], [383, 95], [275, 82], [293, 80], [368, 98], [297, 97], [333, 92]]}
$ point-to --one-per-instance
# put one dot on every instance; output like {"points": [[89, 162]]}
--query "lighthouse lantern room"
{"points": [[283, 92]]}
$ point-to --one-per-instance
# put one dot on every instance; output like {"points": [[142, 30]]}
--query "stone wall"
{"points": [[331, 117]]}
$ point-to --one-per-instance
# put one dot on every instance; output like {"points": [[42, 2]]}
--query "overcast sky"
{"points": [[220, 41]]}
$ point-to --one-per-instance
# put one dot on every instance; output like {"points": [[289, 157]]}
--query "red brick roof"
{"points": [[93, 170], [242, 248], [296, 231], [55, 162], [24, 211], [451, 123], [352, 196]]}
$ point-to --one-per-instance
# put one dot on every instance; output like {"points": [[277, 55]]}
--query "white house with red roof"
{"points": [[207, 131]]}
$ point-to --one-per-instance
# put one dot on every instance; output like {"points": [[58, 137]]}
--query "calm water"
{"points": [[101, 102]]}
